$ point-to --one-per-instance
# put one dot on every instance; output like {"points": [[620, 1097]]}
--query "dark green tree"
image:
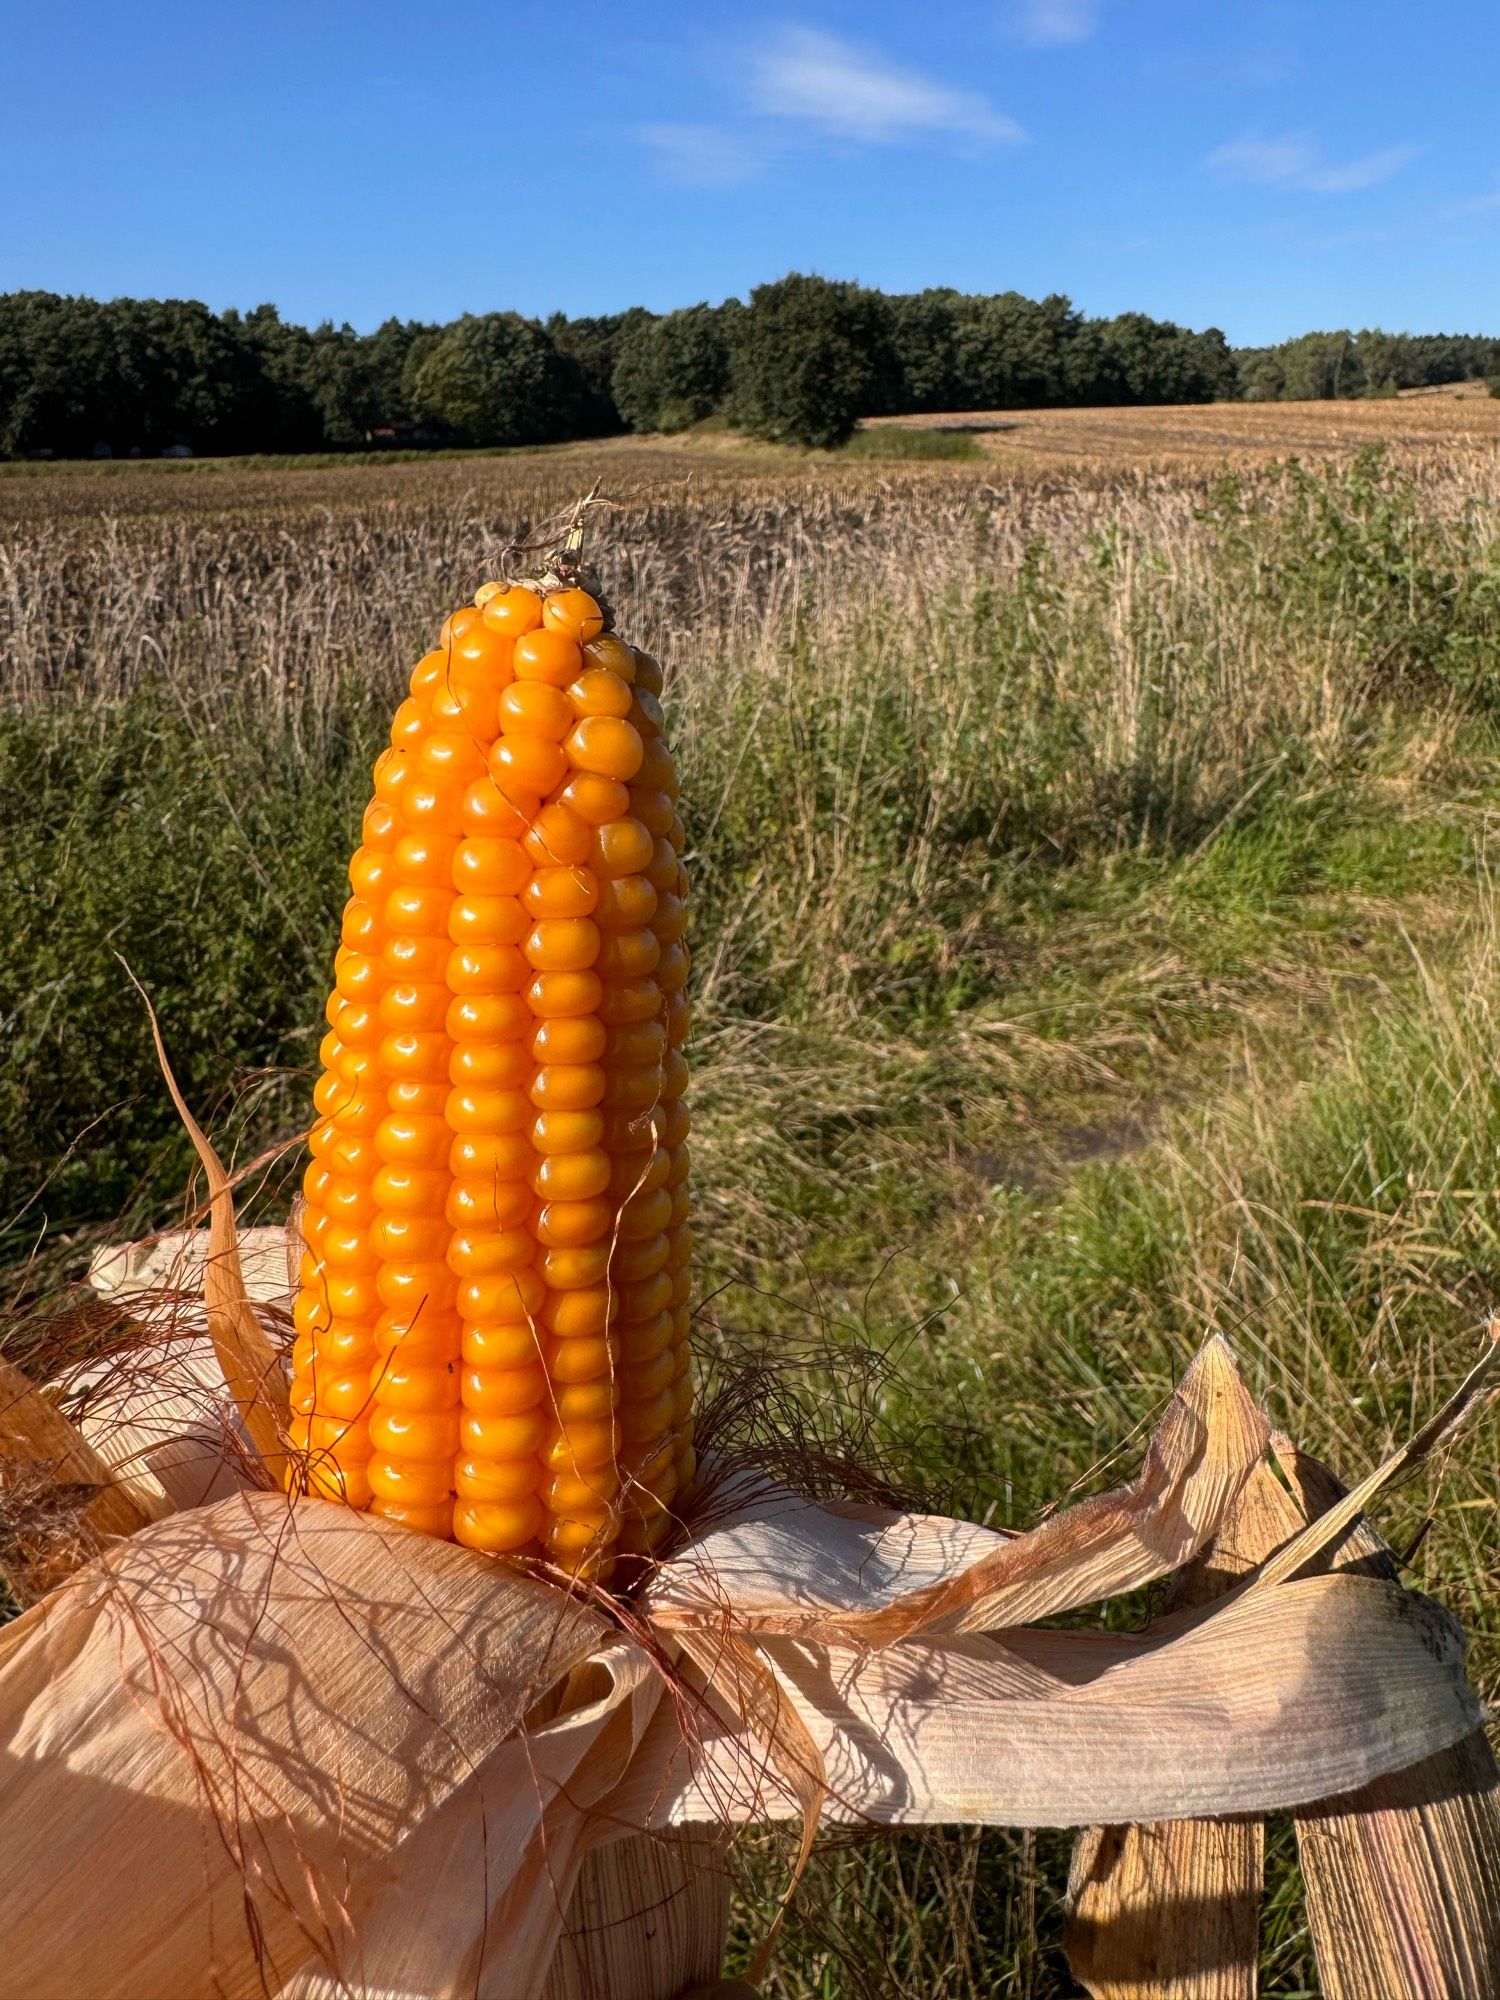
{"points": [[77, 376], [802, 362], [594, 346], [56, 368], [288, 420], [810, 356], [1316, 367], [674, 371], [495, 378], [1013, 352], [924, 346], [1142, 360], [384, 355]]}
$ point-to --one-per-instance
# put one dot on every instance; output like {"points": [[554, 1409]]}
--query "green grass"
{"points": [[1094, 943], [898, 442]]}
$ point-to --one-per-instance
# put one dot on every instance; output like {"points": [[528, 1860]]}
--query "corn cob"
{"points": [[492, 1320]]}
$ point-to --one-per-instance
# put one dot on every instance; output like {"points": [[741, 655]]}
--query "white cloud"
{"points": [[1265, 160], [1475, 204], [1295, 162], [849, 93], [1363, 173], [699, 155], [1049, 24]]}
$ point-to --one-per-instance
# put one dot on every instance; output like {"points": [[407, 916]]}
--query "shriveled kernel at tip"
{"points": [[647, 714], [573, 612], [612, 652], [648, 674]]}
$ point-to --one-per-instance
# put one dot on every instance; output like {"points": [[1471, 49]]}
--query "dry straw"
{"points": [[257, 1745]]}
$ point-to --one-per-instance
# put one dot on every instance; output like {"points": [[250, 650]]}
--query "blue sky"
{"points": [[1262, 165]]}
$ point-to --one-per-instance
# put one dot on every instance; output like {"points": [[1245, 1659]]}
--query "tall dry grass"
{"points": [[281, 584], [894, 707]]}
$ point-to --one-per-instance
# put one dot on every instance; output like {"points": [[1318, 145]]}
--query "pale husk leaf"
{"points": [[1402, 1876], [252, 1370], [648, 1916], [58, 1498], [878, 1577], [1264, 1704], [1170, 1909], [270, 1702]]}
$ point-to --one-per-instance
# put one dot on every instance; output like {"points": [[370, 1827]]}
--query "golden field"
{"points": [[1435, 430]]}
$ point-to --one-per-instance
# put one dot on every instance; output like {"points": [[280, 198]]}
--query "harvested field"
{"points": [[1433, 424], [1437, 433]]}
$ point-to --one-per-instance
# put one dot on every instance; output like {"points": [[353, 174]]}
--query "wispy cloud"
{"points": [[832, 87], [1367, 172], [699, 155], [1050, 24], [1295, 162], [1476, 204], [1268, 161]]}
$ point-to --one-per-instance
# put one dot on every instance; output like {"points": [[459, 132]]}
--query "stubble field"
{"points": [[1094, 938]]}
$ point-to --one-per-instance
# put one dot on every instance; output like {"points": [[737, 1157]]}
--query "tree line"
{"points": [[1317, 367], [800, 361]]}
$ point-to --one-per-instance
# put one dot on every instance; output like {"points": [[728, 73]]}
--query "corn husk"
{"points": [[364, 1761], [1402, 1876], [60, 1502], [1171, 1910]]}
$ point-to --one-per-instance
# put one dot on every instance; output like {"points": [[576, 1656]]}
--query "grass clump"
{"points": [[209, 860], [905, 446]]}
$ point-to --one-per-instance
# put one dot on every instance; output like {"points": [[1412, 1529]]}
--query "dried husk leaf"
{"points": [[162, 1419], [1401, 1881], [272, 1703], [648, 1916], [477, 1906], [1255, 1707], [1326, 1528], [741, 1685], [134, 1275], [59, 1500], [1167, 1911], [160, 1414], [1403, 1876], [1171, 1910], [781, 1581], [252, 1369]]}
